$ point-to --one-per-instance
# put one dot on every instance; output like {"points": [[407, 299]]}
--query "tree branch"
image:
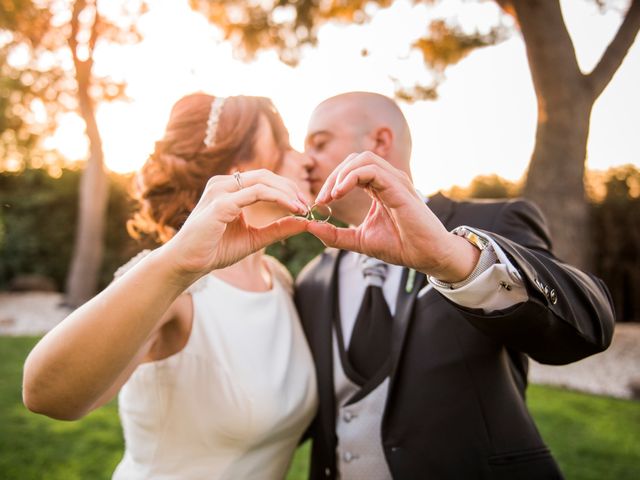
{"points": [[94, 29], [75, 27], [550, 50], [613, 56]]}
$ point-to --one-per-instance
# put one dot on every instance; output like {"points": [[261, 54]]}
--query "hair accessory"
{"points": [[212, 122], [236, 175]]}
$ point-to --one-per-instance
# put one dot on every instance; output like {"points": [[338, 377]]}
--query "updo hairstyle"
{"points": [[171, 181]]}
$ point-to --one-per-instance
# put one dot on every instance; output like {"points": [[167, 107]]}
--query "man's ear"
{"points": [[383, 140]]}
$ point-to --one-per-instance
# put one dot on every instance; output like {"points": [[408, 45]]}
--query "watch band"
{"points": [[487, 258]]}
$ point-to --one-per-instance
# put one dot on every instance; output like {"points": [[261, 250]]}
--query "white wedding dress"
{"points": [[234, 403]]}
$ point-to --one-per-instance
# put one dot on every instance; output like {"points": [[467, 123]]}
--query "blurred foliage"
{"points": [[37, 218], [287, 26], [37, 214], [487, 186], [38, 79], [616, 227], [296, 252]]}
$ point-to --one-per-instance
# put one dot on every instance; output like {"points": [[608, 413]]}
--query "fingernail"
{"points": [[302, 208], [295, 205]]}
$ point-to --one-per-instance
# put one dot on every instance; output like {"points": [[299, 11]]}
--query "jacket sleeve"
{"points": [[569, 313]]}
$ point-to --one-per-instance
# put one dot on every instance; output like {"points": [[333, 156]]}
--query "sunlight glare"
{"points": [[483, 122]]}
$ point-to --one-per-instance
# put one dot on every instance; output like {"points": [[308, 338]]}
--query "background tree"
{"points": [[48, 70], [565, 95]]}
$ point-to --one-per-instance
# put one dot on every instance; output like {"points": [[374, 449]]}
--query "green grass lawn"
{"points": [[593, 438]]}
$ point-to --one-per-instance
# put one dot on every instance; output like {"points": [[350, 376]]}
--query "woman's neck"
{"points": [[250, 273]]}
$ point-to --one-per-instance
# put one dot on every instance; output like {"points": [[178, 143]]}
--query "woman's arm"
{"points": [[76, 364], [83, 362]]}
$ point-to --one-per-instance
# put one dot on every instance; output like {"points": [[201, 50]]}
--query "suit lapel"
{"points": [[323, 344], [410, 285]]}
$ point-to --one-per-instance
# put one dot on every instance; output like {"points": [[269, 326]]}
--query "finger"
{"points": [[232, 204], [267, 177], [331, 236], [279, 230], [324, 196], [368, 176], [369, 159], [224, 184]]}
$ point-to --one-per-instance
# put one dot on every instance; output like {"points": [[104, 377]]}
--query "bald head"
{"points": [[351, 123], [364, 113]]}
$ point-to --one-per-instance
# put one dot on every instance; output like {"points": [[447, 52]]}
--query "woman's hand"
{"points": [[216, 235]]}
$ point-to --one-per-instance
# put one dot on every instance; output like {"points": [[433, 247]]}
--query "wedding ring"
{"points": [[236, 175], [319, 213]]}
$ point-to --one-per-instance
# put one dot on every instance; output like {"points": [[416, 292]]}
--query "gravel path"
{"points": [[612, 373], [30, 313]]}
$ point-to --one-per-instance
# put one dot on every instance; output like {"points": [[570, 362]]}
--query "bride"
{"points": [[200, 336]]}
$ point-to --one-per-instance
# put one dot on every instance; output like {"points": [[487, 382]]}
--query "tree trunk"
{"points": [[555, 180], [88, 252]]}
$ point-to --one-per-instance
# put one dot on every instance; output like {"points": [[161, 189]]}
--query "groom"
{"points": [[422, 359]]}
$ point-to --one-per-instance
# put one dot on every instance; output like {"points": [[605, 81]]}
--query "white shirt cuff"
{"points": [[499, 287]]}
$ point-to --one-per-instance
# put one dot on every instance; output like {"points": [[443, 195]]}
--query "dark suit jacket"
{"points": [[456, 403]]}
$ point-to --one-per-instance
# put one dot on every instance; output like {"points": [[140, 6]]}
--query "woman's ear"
{"points": [[383, 140]]}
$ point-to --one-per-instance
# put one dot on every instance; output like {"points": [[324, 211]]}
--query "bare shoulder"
{"points": [[280, 273]]}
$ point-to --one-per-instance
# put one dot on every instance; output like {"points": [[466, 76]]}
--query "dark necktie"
{"points": [[371, 337]]}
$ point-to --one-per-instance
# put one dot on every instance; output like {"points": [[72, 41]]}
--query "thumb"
{"points": [[279, 230], [331, 236]]}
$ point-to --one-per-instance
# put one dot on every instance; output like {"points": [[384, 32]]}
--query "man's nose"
{"points": [[307, 161]]}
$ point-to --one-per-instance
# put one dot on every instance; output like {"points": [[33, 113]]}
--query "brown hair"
{"points": [[174, 176]]}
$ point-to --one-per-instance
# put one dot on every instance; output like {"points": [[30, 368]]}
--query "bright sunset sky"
{"points": [[483, 122]]}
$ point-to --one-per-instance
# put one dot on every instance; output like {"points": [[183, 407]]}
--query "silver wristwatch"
{"points": [[487, 258]]}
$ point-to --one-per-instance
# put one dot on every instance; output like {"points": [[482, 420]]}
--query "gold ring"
{"points": [[236, 175], [318, 216]]}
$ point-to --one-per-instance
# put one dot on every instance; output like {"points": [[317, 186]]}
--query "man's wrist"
{"points": [[485, 261], [466, 267], [459, 261]]}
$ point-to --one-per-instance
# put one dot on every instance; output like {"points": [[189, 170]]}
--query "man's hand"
{"points": [[399, 228]]}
